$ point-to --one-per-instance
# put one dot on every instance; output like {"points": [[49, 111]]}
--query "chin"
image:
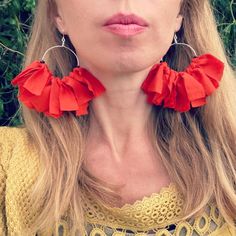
{"points": [[133, 64], [121, 63]]}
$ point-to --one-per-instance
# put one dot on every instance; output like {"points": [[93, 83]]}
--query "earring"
{"points": [[183, 90], [43, 92]]}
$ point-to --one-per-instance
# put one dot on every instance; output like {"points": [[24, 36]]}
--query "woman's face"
{"points": [[83, 20]]}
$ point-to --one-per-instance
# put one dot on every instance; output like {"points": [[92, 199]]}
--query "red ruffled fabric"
{"points": [[181, 90], [40, 90]]}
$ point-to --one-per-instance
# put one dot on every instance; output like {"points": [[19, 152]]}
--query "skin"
{"points": [[119, 149]]}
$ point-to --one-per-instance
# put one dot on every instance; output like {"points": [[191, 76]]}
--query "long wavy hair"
{"points": [[198, 147]]}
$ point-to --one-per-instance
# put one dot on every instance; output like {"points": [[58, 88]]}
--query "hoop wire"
{"points": [[184, 44], [61, 46]]}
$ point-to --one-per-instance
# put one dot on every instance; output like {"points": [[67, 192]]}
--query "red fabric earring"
{"points": [[183, 90], [40, 90]]}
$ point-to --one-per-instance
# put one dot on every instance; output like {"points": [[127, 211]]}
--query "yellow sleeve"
{"points": [[2, 201], [3, 157], [7, 135]]}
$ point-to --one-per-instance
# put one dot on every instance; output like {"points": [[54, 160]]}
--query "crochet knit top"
{"points": [[153, 215]]}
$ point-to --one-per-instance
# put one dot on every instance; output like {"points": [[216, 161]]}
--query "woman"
{"points": [[127, 166]]}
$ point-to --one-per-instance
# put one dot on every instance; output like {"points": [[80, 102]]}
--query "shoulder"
{"points": [[11, 135], [8, 134], [19, 159], [16, 147], [19, 168], [8, 139]]}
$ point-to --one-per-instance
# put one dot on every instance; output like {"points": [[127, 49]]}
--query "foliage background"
{"points": [[15, 21]]}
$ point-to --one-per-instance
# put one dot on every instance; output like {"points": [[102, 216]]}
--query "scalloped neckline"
{"points": [[171, 187]]}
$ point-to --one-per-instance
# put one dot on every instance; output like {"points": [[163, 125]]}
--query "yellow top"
{"points": [[153, 215]]}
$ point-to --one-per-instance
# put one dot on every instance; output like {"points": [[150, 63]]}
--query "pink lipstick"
{"points": [[125, 25]]}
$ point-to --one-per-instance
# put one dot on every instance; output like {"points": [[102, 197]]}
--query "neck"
{"points": [[119, 117]]}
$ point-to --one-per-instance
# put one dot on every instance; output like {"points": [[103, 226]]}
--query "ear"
{"points": [[60, 23], [178, 22]]}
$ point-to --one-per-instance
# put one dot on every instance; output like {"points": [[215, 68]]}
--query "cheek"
{"points": [[164, 26], [161, 35], [76, 16], [80, 25], [164, 21]]}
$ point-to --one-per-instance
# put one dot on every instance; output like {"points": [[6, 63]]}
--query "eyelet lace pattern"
{"points": [[153, 216]]}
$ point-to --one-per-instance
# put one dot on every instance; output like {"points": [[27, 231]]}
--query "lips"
{"points": [[121, 18]]}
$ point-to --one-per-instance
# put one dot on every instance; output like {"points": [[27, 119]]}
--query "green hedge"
{"points": [[15, 21]]}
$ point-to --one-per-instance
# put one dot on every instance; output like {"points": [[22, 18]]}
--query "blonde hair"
{"points": [[198, 147]]}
